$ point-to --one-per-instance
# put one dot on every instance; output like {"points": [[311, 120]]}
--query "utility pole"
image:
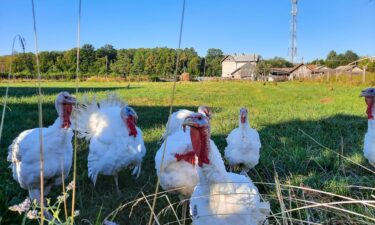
{"points": [[293, 32], [204, 67], [106, 67]]}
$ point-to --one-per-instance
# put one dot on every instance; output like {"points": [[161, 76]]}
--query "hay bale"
{"points": [[185, 76]]}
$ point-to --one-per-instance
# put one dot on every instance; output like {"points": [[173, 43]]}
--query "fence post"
{"points": [[328, 76], [364, 74]]}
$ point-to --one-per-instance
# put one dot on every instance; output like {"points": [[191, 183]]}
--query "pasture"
{"points": [[305, 129]]}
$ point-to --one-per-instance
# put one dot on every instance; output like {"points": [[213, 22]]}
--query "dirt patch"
{"points": [[326, 100]]}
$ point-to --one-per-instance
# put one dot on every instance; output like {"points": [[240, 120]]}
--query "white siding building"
{"points": [[232, 66]]}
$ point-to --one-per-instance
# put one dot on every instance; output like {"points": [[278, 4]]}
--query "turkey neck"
{"points": [[65, 110], [130, 123], [210, 165], [370, 107], [200, 139], [243, 124]]}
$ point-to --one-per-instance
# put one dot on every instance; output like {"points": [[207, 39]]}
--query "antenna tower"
{"points": [[293, 33]]}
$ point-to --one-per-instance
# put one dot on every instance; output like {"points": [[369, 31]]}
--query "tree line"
{"points": [[108, 61], [152, 62]]}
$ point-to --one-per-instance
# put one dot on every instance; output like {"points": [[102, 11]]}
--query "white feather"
{"points": [[174, 174], [243, 144], [369, 143], [24, 155], [175, 122], [223, 198], [111, 148]]}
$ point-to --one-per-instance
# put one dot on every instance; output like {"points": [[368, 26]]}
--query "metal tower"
{"points": [[293, 33]]}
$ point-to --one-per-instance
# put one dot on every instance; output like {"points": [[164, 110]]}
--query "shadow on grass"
{"points": [[28, 91]]}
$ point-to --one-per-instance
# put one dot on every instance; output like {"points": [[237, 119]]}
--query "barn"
{"points": [[239, 66], [352, 69], [297, 71]]}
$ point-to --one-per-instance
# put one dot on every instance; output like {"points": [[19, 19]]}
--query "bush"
{"points": [[155, 79]]}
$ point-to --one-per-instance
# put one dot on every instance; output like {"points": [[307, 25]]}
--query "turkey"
{"points": [[220, 198], [24, 152], [115, 141], [243, 145], [177, 118], [176, 171], [369, 142]]}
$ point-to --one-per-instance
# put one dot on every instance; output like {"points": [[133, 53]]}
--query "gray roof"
{"points": [[246, 69], [243, 57]]}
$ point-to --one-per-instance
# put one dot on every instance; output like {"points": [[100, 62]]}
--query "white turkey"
{"points": [[243, 145], [115, 141], [220, 198], [177, 118], [177, 171], [24, 152], [369, 142]]}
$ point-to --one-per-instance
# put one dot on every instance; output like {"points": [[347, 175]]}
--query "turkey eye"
{"points": [[65, 97], [199, 118]]}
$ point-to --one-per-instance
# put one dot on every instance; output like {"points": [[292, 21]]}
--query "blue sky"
{"points": [[235, 26]]}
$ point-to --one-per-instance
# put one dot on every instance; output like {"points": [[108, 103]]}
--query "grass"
{"points": [[289, 117]]}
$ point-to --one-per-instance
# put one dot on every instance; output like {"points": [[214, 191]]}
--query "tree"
{"points": [[279, 62], [87, 58], [139, 61], [331, 60], [24, 63], [318, 62], [263, 68], [124, 61], [351, 56], [213, 62], [193, 66], [107, 50]]}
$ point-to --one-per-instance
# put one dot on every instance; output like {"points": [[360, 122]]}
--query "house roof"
{"points": [[243, 57], [247, 67], [348, 68], [281, 69], [312, 66], [288, 69]]}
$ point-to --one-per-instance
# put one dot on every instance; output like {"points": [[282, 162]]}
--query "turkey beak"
{"points": [[71, 100], [368, 92], [188, 122]]}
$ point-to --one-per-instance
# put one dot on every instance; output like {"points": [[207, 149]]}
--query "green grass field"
{"points": [[289, 117]]}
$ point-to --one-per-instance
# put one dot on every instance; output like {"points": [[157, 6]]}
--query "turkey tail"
{"points": [[113, 99], [88, 113], [82, 115], [93, 175]]}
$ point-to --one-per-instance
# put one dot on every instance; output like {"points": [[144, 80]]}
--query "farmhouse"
{"points": [[297, 71], [242, 66]]}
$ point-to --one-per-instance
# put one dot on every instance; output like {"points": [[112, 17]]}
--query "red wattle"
{"points": [[188, 157], [200, 142], [195, 141], [243, 119], [205, 142], [130, 122], [370, 103], [67, 111]]}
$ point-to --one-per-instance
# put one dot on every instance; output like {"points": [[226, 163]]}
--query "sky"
{"points": [[235, 26]]}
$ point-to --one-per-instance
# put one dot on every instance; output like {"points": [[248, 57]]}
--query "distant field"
{"points": [[283, 113]]}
